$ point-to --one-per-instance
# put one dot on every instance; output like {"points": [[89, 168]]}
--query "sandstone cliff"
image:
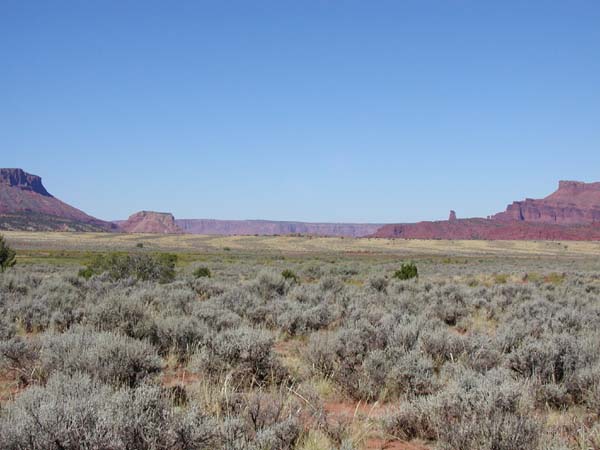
{"points": [[25, 204], [267, 227], [150, 222], [489, 229], [570, 213], [574, 202]]}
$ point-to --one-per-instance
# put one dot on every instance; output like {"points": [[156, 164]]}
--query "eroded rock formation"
{"points": [[18, 178], [25, 204], [574, 202], [268, 227], [570, 213], [489, 229], [150, 222]]}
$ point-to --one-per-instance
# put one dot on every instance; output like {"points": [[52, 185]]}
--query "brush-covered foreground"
{"points": [[251, 352]]}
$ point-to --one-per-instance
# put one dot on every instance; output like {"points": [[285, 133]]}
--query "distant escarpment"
{"points": [[150, 222], [154, 222], [25, 204], [489, 229], [574, 202], [570, 213], [17, 178], [267, 227]]}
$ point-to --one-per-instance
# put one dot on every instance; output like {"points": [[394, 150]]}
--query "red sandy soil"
{"points": [[361, 411], [178, 377], [10, 386], [286, 348], [345, 411]]}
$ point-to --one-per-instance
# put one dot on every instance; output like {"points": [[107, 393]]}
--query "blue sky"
{"points": [[317, 110]]}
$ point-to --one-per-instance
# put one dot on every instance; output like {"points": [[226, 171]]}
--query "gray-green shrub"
{"points": [[73, 412], [244, 354]]}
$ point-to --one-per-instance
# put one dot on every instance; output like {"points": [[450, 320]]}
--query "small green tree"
{"points": [[7, 255], [202, 271], [289, 275], [159, 267], [406, 272]]}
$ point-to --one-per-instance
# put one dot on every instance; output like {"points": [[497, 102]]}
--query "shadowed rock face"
{"points": [[574, 202], [20, 179], [26, 204], [150, 222]]}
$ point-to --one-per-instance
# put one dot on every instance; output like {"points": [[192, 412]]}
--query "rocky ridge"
{"points": [[25, 204], [150, 222], [572, 212], [268, 227], [574, 202], [20, 179], [489, 229]]}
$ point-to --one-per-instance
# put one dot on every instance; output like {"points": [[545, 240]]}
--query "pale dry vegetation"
{"points": [[256, 352]]}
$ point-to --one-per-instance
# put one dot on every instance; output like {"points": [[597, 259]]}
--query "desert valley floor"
{"points": [[299, 343]]}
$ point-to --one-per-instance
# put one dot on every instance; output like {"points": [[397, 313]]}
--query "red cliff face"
{"points": [[22, 180], [26, 204], [573, 203], [570, 213], [150, 222], [489, 229]]}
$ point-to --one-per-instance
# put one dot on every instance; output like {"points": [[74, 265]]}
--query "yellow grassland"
{"points": [[22, 240]]}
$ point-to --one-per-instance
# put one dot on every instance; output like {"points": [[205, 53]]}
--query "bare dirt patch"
{"points": [[384, 444], [178, 377], [10, 386]]}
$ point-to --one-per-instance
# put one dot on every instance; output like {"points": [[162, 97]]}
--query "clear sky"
{"points": [[317, 110]]}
